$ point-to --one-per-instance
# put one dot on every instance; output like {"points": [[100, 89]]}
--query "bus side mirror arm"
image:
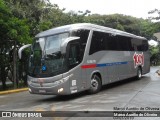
{"points": [[21, 49], [65, 43]]}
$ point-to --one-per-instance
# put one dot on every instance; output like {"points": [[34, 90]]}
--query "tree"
{"points": [[12, 30], [156, 24], [122, 22], [153, 12], [34, 11], [156, 27], [154, 50]]}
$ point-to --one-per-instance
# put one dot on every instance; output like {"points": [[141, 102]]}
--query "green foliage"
{"points": [[18, 30], [129, 24], [12, 28], [42, 15], [155, 56], [156, 24]]}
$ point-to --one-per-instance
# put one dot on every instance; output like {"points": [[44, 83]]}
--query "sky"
{"points": [[135, 8]]}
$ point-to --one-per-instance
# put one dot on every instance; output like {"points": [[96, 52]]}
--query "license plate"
{"points": [[42, 91]]}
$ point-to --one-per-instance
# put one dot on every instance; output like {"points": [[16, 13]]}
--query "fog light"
{"points": [[60, 90]]}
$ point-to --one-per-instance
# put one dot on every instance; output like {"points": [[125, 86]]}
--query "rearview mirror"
{"points": [[65, 43], [21, 50]]}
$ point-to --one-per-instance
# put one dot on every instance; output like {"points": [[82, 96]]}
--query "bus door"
{"points": [[74, 59]]}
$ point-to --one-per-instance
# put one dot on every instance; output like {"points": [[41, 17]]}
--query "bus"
{"points": [[84, 57]]}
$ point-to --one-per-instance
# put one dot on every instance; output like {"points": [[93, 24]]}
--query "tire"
{"points": [[139, 73], [95, 84]]}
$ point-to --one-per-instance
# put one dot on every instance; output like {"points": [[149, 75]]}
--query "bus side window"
{"points": [[97, 42], [74, 55], [145, 45], [139, 44], [111, 41]]}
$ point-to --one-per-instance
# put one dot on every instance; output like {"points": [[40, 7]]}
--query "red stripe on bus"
{"points": [[88, 66]]}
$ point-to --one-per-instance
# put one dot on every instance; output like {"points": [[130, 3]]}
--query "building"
{"points": [[157, 35]]}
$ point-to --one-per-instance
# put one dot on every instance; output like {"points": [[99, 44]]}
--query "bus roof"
{"points": [[89, 26]]}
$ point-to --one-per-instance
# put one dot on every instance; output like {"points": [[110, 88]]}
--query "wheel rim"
{"points": [[94, 84]]}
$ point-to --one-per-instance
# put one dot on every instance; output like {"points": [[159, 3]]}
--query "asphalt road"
{"points": [[129, 93]]}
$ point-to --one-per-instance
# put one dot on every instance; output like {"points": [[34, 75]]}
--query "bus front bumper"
{"points": [[58, 87]]}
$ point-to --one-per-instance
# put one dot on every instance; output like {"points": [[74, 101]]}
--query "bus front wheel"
{"points": [[95, 84]]}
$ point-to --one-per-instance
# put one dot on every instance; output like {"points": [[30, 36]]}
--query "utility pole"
{"points": [[15, 65]]}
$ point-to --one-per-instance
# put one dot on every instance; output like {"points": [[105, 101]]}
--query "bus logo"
{"points": [[44, 68], [41, 81], [138, 59]]}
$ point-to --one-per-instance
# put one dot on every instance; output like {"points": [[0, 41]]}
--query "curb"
{"points": [[13, 91]]}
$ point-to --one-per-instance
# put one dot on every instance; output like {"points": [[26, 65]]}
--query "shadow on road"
{"points": [[64, 98], [122, 82]]}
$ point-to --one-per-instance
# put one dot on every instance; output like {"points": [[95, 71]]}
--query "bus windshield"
{"points": [[46, 58]]}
